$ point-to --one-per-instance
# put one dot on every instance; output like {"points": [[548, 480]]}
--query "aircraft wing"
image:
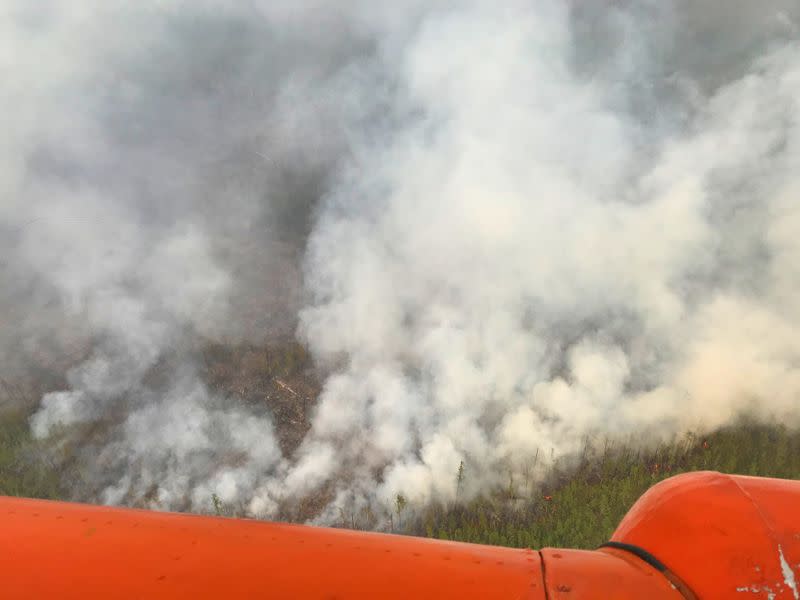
{"points": [[702, 535]]}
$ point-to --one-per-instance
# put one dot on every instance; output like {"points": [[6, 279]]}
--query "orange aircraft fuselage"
{"points": [[700, 535]]}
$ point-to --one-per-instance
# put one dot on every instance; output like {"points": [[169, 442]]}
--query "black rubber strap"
{"points": [[637, 551], [651, 560]]}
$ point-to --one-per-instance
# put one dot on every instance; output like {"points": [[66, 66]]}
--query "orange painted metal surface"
{"points": [[705, 535], [585, 575], [70, 551], [725, 536]]}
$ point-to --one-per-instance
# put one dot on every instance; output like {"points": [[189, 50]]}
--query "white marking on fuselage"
{"points": [[754, 589], [788, 574]]}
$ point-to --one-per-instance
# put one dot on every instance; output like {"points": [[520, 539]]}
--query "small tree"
{"points": [[459, 478], [400, 503], [216, 501]]}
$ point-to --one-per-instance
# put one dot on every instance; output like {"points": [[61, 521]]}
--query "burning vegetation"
{"points": [[423, 266]]}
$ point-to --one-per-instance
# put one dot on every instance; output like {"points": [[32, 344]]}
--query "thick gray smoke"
{"points": [[160, 162], [519, 224]]}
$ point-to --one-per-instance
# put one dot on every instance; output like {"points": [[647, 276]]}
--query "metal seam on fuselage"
{"points": [[544, 575], [767, 525], [788, 577]]}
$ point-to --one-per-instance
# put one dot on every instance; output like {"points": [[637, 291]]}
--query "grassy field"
{"points": [[577, 506], [24, 466]]}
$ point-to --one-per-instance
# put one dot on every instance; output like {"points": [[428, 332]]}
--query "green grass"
{"points": [[24, 466], [580, 506]]}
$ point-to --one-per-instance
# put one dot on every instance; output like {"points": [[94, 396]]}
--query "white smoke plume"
{"points": [[543, 250], [519, 224]]}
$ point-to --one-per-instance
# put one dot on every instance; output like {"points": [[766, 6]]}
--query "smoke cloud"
{"points": [[499, 229]]}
